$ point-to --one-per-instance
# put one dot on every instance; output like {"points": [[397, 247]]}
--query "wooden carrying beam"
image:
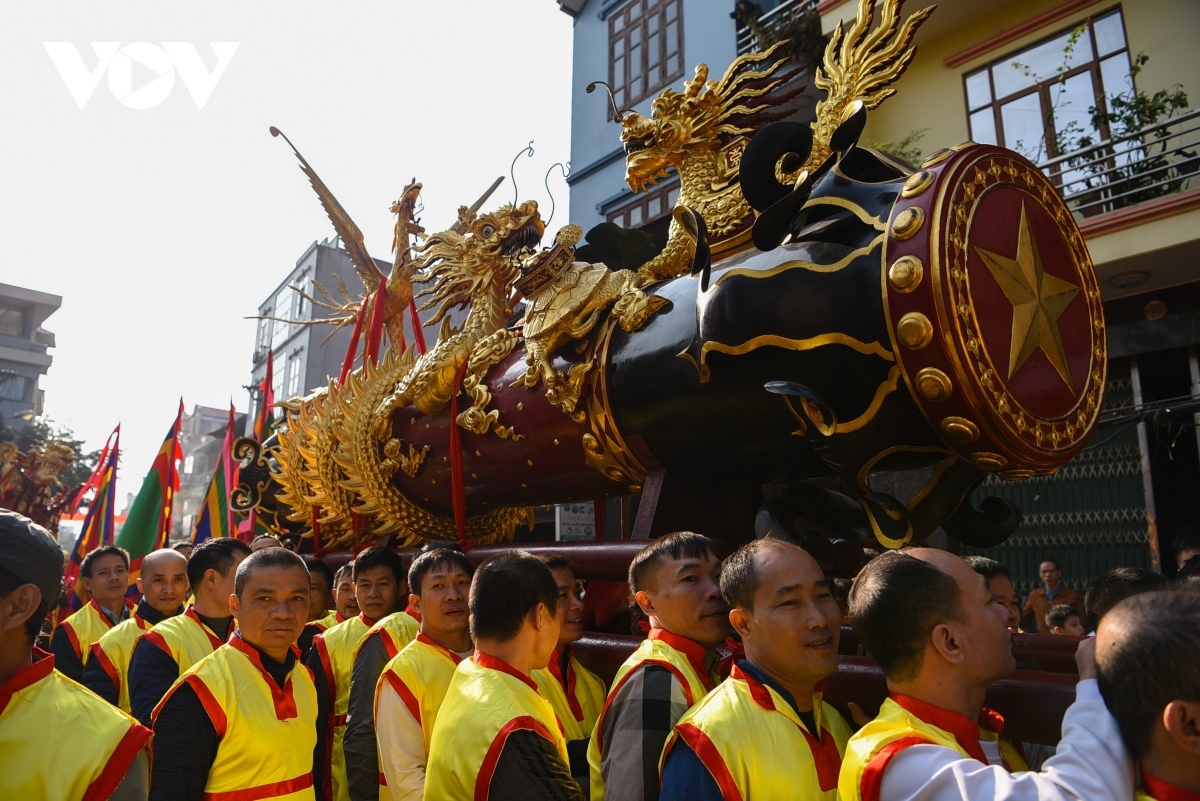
{"points": [[1032, 702]]}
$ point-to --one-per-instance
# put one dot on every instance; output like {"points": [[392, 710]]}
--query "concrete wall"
{"points": [[709, 37]]}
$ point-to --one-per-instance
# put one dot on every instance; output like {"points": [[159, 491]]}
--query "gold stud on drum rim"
{"points": [[933, 384], [915, 331], [907, 223]]}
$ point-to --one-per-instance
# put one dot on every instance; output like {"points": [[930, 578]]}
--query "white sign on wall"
{"points": [[574, 521]]}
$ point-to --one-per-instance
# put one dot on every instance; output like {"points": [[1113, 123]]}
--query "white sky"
{"points": [[162, 228]]}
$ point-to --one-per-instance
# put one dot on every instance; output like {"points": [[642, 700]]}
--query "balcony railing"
{"points": [[1132, 168], [749, 41]]}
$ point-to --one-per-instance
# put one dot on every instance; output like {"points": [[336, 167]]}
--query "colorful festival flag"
{"points": [[264, 418], [98, 524], [149, 522], [215, 518]]}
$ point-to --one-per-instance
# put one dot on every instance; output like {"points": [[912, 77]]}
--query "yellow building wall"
{"points": [[930, 95]]}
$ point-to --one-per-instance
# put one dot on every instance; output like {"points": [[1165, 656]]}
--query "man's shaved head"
{"points": [[163, 561], [163, 581]]}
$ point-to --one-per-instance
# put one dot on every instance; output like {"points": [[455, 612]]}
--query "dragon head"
{"points": [[680, 123], [479, 251], [53, 459]]}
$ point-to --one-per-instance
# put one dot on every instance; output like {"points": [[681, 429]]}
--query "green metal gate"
{"points": [[1090, 516]]}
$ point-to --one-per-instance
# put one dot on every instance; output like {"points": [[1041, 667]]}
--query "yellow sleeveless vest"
{"points": [[46, 718], [336, 647], [87, 626], [267, 735], [114, 649], [579, 708], [185, 638], [330, 620], [677, 654], [904, 721], [486, 701], [755, 745], [396, 630]]}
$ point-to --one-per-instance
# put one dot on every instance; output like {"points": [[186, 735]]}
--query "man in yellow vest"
{"points": [[940, 638], [57, 740], [1147, 663], [576, 693], [496, 737], [380, 645], [413, 684], [162, 654], [320, 591], [104, 573], [163, 584], [765, 732], [674, 581], [378, 579], [242, 722], [345, 606]]}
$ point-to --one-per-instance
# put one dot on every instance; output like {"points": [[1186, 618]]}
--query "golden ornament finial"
{"points": [[569, 235]]}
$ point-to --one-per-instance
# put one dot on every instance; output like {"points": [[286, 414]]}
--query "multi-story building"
{"points": [[303, 358], [1087, 89], [23, 356], [202, 433]]}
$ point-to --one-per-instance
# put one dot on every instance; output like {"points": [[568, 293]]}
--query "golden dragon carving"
{"points": [[700, 132], [475, 264]]}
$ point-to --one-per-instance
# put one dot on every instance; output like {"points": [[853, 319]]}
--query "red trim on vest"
{"points": [[422, 638], [382, 779], [326, 667], [612, 693], [339, 720], [283, 700], [158, 640], [106, 665], [872, 777], [707, 752], [413, 613], [41, 667], [965, 733], [212, 636], [405, 694], [215, 712], [493, 663], [339, 617], [483, 781], [264, 790], [826, 758], [119, 763], [694, 651], [331, 687], [1161, 791], [362, 616], [568, 685], [73, 637]]}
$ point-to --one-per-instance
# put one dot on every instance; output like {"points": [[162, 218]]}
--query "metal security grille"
{"points": [[1090, 516]]}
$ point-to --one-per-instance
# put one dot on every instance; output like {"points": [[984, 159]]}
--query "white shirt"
{"points": [[401, 744], [1091, 764]]}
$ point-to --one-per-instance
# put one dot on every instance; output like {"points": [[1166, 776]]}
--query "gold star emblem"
{"points": [[1038, 300]]}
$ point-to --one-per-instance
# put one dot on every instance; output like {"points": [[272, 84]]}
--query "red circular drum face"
{"points": [[1033, 327], [1014, 369]]}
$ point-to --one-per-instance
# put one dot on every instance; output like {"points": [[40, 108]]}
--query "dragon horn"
{"points": [[458, 227]]}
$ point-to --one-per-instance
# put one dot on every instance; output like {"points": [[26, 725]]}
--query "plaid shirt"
{"points": [[636, 726]]}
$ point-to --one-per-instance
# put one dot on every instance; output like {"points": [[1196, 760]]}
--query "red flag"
{"points": [[264, 419]]}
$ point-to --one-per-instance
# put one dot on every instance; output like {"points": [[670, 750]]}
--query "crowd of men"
{"points": [[247, 672]]}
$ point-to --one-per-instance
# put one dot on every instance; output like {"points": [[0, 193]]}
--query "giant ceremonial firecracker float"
{"points": [[822, 313]]}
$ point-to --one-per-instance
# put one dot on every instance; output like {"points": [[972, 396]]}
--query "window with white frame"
{"points": [[295, 373], [283, 311]]}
